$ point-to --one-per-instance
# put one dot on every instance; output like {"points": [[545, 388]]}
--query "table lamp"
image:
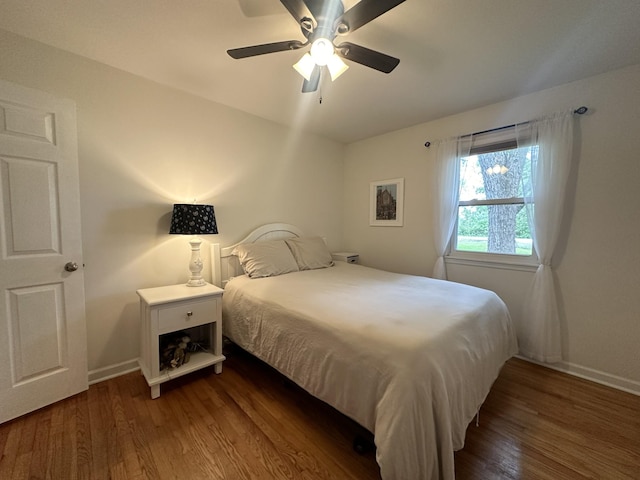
{"points": [[192, 219]]}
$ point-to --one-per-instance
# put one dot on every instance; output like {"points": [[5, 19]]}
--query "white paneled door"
{"points": [[43, 345]]}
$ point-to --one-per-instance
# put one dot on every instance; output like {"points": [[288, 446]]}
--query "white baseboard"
{"points": [[607, 379], [105, 373], [613, 381]]}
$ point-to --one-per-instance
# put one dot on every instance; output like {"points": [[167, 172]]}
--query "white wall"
{"points": [[598, 264], [143, 147]]}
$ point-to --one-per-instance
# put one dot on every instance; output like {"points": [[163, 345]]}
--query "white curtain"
{"points": [[544, 191], [447, 193]]}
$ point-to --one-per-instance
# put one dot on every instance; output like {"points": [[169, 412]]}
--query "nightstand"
{"points": [[349, 257], [168, 311]]}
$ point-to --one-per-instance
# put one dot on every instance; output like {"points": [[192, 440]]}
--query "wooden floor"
{"points": [[248, 423]]}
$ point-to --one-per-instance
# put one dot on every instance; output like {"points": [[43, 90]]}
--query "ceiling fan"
{"points": [[321, 21]]}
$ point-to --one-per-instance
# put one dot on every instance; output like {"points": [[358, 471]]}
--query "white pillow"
{"points": [[265, 259], [310, 252]]}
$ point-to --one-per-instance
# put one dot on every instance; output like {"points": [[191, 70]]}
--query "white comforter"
{"points": [[409, 358]]}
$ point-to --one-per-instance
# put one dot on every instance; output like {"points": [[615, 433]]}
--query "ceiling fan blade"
{"points": [[311, 85], [367, 57], [365, 11], [254, 50], [298, 9]]}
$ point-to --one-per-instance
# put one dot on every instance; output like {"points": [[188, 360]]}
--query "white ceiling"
{"points": [[455, 55]]}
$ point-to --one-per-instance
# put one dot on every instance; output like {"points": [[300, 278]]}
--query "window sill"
{"points": [[490, 261]]}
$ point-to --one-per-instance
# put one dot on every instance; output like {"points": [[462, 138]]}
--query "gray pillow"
{"points": [[265, 259], [310, 253]]}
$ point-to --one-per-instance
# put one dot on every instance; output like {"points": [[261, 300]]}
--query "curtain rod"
{"points": [[580, 111]]}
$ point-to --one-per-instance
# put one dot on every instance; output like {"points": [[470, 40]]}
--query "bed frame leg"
{"points": [[363, 445]]}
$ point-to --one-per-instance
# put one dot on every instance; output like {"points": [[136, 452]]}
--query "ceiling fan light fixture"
{"points": [[320, 22], [322, 51], [305, 66], [336, 66]]}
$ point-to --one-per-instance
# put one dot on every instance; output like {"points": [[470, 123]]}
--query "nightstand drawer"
{"points": [[348, 257], [186, 314]]}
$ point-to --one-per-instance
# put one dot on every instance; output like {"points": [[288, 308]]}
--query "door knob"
{"points": [[71, 267]]}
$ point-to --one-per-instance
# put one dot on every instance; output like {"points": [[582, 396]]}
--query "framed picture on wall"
{"points": [[386, 203]]}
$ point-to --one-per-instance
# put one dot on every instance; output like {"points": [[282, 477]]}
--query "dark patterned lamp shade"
{"points": [[190, 219]]}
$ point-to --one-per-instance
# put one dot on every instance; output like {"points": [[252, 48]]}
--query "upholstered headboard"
{"points": [[225, 266]]}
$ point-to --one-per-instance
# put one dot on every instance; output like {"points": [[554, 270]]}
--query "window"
{"points": [[492, 218]]}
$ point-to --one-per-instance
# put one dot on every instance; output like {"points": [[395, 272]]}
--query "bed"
{"points": [[409, 358]]}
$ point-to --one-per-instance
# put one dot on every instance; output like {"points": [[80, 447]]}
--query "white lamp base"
{"points": [[195, 265]]}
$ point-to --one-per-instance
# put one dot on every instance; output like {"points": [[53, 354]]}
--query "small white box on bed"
{"points": [[348, 257]]}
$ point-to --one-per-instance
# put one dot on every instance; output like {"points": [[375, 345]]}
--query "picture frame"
{"points": [[386, 203]]}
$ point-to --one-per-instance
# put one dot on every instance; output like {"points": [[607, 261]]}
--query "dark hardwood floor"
{"points": [[250, 423], [542, 424]]}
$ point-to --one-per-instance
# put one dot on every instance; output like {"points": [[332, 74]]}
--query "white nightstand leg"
{"points": [[216, 332], [155, 391]]}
